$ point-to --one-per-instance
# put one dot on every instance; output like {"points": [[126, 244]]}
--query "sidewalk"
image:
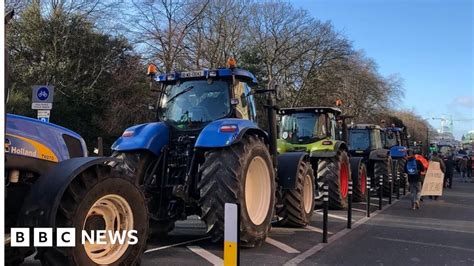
{"points": [[440, 233]]}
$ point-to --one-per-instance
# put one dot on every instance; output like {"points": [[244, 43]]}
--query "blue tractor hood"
{"points": [[398, 151], [150, 136]]}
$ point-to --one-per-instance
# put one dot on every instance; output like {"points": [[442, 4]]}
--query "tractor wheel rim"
{"points": [[344, 179], [363, 180], [308, 194], [113, 214], [258, 190]]}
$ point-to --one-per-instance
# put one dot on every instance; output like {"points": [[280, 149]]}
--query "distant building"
{"points": [[467, 141]]}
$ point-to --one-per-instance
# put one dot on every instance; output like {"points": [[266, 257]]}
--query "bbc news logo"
{"points": [[66, 237]]}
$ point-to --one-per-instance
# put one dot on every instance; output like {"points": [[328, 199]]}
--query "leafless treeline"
{"points": [[313, 62]]}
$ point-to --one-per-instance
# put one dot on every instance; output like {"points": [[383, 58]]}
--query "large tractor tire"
{"points": [[298, 203], [383, 168], [99, 199], [359, 181], [401, 162], [137, 164], [242, 174], [336, 171]]}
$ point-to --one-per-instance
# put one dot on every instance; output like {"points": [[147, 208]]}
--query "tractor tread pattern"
{"points": [[219, 184], [357, 189], [328, 168], [69, 204], [293, 209]]}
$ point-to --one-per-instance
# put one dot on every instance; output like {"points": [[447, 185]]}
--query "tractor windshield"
{"points": [[192, 104], [392, 139], [359, 139], [302, 128]]}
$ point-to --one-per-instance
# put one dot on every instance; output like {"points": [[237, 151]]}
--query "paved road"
{"points": [[440, 233], [283, 244]]}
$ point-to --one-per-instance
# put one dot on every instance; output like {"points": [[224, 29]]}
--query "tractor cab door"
{"points": [[243, 101], [376, 139]]}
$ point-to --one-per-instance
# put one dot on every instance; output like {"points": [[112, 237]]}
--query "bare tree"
{"points": [[220, 34], [162, 26]]}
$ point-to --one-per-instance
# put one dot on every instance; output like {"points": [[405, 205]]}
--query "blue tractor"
{"points": [[206, 150], [368, 158], [50, 182], [396, 140]]}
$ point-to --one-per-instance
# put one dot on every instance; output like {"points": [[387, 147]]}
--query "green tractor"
{"points": [[314, 130], [368, 158]]}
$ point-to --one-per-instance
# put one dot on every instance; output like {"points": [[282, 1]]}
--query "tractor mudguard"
{"points": [[151, 136], [225, 132], [288, 166], [329, 153], [379, 155], [41, 205], [398, 151]]}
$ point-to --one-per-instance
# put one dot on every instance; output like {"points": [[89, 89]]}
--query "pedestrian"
{"points": [[436, 158], [448, 176], [469, 167], [424, 162], [413, 169], [463, 168]]}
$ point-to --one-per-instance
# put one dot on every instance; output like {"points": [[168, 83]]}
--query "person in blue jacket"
{"points": [[413, 169]]}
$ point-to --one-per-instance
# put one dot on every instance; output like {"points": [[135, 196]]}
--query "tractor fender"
{"points": [[339, 145], [288, 165], [213, 137], [41, 205], [379, 155], [398, 151], [151, 136]]}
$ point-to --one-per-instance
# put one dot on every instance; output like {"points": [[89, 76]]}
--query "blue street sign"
{"points": [[44, 119], [43, 93]]}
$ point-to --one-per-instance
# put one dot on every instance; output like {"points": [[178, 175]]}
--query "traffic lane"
{"points": [[282, 244], [439, 233]]}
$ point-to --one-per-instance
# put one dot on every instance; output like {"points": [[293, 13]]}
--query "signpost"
{"points": [[42, 100]]}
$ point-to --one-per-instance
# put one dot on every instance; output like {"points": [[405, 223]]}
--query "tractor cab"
{"points": [[191, 100], [364, 138], [305, 125], [395, 139]]}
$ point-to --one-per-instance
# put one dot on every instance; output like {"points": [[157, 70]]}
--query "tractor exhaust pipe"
{"points": [[272, 124]]}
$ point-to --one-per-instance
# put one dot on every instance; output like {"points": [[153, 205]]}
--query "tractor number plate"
{"points": [[192, 74]]}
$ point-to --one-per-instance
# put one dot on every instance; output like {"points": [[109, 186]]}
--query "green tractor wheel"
{"points": [[100, 199], [336, 171], [137, 165], [298, 203], [242, 174]]}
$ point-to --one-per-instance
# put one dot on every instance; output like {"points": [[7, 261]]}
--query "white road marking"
{"points": [[358, 210], [371, 204], [177, 244], [310, 252], [316, 229], [377, 199], [281, 245], [425, 244], [206, 255], [334, 216]]}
